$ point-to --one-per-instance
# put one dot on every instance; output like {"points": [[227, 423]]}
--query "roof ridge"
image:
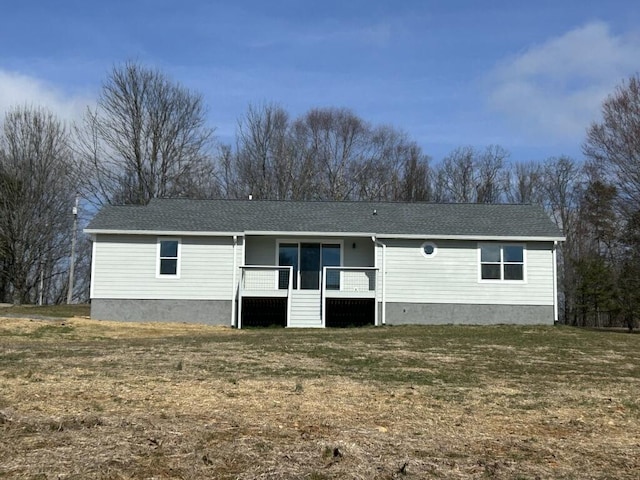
{"points": [[320, 201]]}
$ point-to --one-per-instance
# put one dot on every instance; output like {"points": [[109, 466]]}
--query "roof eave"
{"points": [[194, 233], [481, 238], [289, 233]]}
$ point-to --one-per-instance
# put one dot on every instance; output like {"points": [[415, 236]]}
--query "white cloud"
{"points": [[556, 89], [17, 89]]}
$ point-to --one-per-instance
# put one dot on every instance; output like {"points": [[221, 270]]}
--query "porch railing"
{"points": [[265, 281], [277, 281], [348, 282]]}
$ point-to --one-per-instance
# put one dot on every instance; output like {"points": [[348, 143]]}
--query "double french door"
{"points": [[308, 260]]}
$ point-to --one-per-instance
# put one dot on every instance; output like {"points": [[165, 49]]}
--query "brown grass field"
{"points": [[82, 399]]}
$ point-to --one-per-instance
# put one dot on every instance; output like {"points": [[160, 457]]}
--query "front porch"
{"points": [[347, 296]]}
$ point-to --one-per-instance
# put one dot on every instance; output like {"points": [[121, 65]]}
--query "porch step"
{"points": [[305, 309]]}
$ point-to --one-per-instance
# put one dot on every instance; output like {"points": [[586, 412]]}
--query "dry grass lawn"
{"points": [[85, 399]]}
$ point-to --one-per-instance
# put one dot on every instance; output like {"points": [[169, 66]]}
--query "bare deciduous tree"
{"points": [[326, 154], [563, 179], [416, 181], [337, 143], [265, 160], [524, 183], [37, 186], [146, 138], [614, 143], [458, 176], [490, 171], [394, 169], [563, 187]]}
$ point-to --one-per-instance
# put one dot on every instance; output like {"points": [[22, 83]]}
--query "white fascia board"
{"points": [[308, 234], [95, 231], [480, 238], [425, 236]]}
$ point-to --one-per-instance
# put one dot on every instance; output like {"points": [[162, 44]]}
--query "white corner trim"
{"points": [[92, 280]]}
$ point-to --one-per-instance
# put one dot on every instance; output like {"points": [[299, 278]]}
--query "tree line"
{"points": [[147, 136]]}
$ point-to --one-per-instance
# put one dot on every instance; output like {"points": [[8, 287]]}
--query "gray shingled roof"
{"points": [[182, 215], [428, 219]]}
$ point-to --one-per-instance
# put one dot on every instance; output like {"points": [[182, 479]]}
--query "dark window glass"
{"points": [[491, 271], [490, 253], [288, 256], [168, 266], [513, 253], [502, 262], [308, 259], [283, 279], [513, 272], [168, 257], [310, 266], [169, 248], [331, 258]]}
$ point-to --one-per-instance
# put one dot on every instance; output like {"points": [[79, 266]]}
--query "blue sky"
{"points": [[529, 76]]}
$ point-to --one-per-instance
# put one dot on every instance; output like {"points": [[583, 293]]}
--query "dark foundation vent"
{"points": [[350, 312], [264, 312]]}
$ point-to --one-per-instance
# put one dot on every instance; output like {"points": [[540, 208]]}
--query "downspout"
{"points": [[92, 280], [554, 257], [376, 312], [240, 284], [384, 278], [233, 283]]}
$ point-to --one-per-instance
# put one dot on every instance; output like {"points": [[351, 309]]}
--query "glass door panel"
{"points": [[307, 260], [331, 258], [309, 266], [288, 256]]}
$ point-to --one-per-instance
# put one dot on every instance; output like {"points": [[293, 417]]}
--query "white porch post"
{"points": [[234, 286], [375, 265], [554, 257], [289, 293], [323, 297], [240, 287], [384, 279]]}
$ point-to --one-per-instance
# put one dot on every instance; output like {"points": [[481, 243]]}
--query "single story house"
{"points": [[319, 264]]}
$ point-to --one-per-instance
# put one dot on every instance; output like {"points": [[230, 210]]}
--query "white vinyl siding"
{"points": [[125, 266], [452, 275], [260, 251], [358, 252]]}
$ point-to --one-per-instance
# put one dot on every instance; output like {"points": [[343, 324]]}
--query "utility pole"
{"points": [[72, 261], [41, 293]]}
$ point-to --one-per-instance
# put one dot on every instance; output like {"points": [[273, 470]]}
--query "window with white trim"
{"points": [[501, 262], [168, 257]]}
